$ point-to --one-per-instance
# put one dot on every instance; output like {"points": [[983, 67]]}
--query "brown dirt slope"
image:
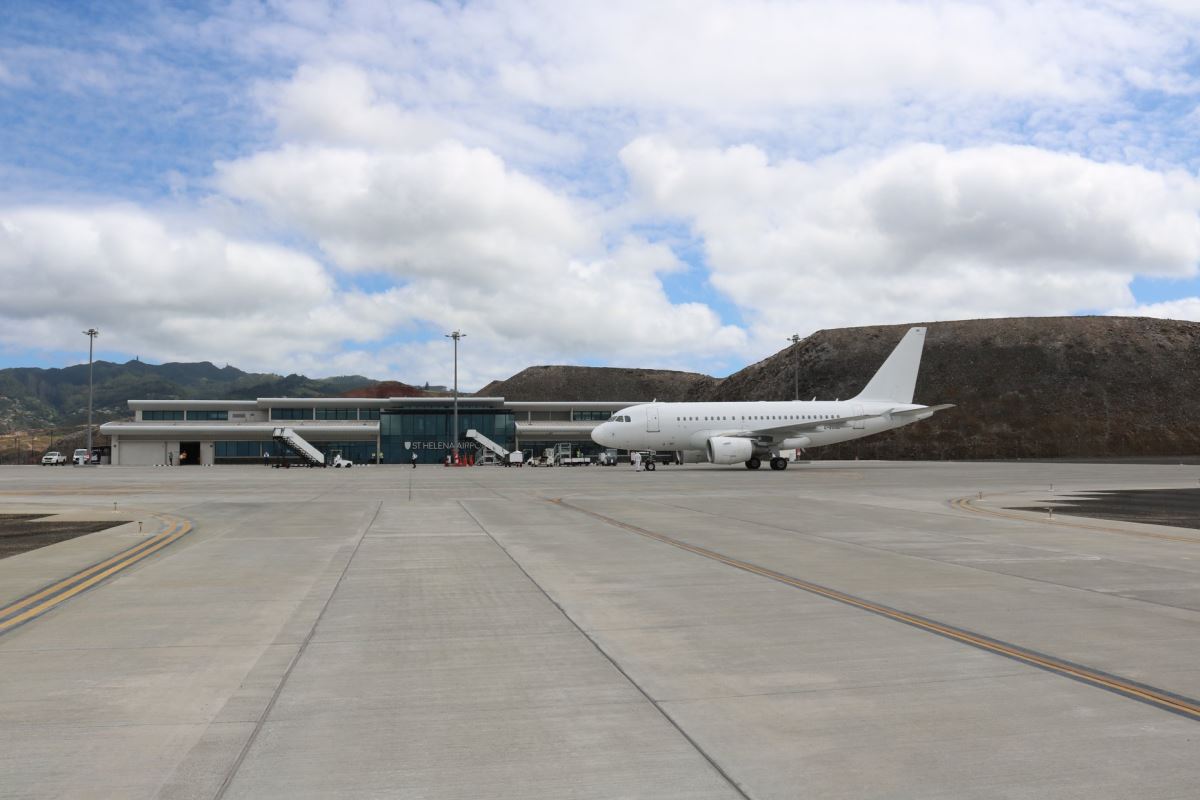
{"points": [[1051, 387], [388, 389], [1042, 387], [598, 383]]}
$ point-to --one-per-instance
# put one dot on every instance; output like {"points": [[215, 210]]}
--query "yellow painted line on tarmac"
{"points": [[41, 601], [968, 504], [1160, 698]]}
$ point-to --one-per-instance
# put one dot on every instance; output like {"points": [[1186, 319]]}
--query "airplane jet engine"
{"points": [[729, 450]]}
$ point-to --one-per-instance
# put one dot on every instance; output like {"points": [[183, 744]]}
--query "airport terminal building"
{"points": [[363, 430]]}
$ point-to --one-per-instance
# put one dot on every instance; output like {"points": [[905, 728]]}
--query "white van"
{"points": [[80, 457]]}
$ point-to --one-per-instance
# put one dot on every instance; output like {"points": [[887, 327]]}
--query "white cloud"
{"points": [[338, 103], [467, 236], [462, 160], [734, 60], [921, 232], [400, 211], [8, 77], [171, 294], [1183, 308]]}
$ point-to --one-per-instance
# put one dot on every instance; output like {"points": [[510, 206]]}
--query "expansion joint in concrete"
{"points": [[258, 726], [733, 784]]}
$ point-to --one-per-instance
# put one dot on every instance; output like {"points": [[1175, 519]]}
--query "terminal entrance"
{"points": [[189, 453], [427, 432]]}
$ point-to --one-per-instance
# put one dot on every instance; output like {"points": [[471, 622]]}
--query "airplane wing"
{"points": [[795, 428]]}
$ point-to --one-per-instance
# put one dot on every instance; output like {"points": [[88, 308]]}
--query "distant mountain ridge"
{"points": [[35, 398], [1046, 387]]}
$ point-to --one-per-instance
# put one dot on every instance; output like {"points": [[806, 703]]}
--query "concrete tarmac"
{"points": [[600, 633]]}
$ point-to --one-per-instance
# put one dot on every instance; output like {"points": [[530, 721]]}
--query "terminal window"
{"points": [[207, 415], [161, 415], [337, 413], [591, 416], [291, 413]]}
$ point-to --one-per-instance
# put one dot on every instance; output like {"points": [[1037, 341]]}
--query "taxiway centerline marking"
{"points": [[43, 600]]}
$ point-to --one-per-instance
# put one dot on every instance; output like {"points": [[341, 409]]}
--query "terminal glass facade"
{"points": [[426, 431], [252, 452]]}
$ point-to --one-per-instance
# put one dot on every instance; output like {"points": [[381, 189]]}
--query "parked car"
{"points": [[80, 457], [53, 459]]}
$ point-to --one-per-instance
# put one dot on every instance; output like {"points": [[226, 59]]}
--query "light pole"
{"points": [[456, 335], [795, 340], [91, 333]]}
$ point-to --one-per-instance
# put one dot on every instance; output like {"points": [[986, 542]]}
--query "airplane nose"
{"points": [[598, 432]]}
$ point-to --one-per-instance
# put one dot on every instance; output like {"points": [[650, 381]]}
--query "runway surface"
{"points": [[837, 630]]}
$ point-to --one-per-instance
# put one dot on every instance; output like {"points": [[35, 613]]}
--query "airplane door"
{"points": [[859, 424], [652, 419]]}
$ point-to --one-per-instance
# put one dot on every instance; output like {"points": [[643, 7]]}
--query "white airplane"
{"points": [[746, 433]]}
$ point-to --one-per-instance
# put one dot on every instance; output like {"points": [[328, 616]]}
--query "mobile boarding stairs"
{"points": [[488, 445], [297, 444]]}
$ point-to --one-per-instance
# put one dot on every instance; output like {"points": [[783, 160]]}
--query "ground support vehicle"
{"points": [[649, 459], [562, 456]]}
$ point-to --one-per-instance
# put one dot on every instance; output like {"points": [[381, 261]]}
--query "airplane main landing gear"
{"points": [[753, 463], [778, 463]]}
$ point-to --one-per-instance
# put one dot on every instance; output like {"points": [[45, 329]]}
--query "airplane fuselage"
{"points": [[690, 426], [745, 433]]}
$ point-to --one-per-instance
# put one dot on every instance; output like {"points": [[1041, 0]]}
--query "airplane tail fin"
{"points": [[897, 378]]}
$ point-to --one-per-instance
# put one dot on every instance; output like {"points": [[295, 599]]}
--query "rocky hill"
{"points": [[1050, 387], [1056, 387], [598, 383]]}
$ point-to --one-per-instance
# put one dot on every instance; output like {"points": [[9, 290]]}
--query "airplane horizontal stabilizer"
{"points": [[924, 410]]}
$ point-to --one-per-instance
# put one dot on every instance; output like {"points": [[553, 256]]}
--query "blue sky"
{"points": [[328, 187]]}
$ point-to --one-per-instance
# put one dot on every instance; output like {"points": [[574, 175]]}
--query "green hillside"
{"points": [[33, 398]]}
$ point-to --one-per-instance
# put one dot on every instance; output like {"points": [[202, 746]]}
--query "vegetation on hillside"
{"points": [[33, 399]]}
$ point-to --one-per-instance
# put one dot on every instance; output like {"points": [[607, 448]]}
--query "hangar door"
{"points": [[141, 454]]}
